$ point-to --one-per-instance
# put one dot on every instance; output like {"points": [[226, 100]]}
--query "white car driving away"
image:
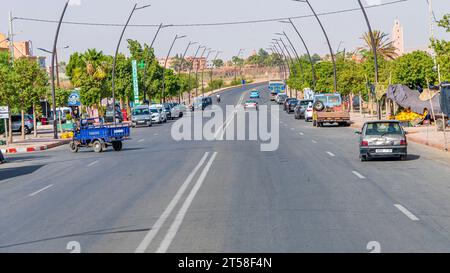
{"points": [[251, 104]]}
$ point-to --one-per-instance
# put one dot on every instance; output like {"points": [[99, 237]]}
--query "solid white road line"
{"points": [[330, 154], [41, 190], [406, 212], [162, 219], [358, 175], [92, 163], [182, 212]]}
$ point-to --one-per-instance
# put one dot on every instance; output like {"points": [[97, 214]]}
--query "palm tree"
{"points": [[385, 47]]}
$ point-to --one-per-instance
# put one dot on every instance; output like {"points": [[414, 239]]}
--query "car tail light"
{"points": [[309, 110], [364, 143], [403, 142]]}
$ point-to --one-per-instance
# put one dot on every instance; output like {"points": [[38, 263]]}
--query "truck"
{"points": [[328, 108], [275, 87]]}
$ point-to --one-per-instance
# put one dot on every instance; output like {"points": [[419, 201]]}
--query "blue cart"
{"points": [[99, 137]]}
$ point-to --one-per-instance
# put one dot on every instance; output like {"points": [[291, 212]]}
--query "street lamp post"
{"points": [[197, 67], [328, 41], [288, 72], [115, 57], [56, 60], [189, 75], [181, 65], [283, 58], [375, 57], [306, 48], [146, 65], [280, 66], [55, 42], [212, 65], [165, 66], [235, 65], [203, 69]]}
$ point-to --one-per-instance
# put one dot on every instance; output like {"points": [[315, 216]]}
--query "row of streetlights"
{"points": [[276, 47], [161, 26]]}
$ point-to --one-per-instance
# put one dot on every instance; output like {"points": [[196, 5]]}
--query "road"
{"points": [[312, 194]]}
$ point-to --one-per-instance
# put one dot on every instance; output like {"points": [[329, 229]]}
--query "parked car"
{"points": [[300, 108], [157, 114], [200, 103], [280, 98], [285, 103], [17, 123], [382, 139], [309, 112], [182, 108], [140, 116], [291, 105]]}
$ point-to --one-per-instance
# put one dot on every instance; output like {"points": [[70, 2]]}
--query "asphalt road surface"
{"points": [[312, 194]]}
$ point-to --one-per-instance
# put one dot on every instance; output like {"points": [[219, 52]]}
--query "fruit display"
{"points": [[408, 115]]}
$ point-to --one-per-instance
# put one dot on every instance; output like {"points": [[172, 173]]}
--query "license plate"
{"points": [[383, 150]]}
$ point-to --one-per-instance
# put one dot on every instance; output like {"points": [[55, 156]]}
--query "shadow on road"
{"points": [[18, 171]]}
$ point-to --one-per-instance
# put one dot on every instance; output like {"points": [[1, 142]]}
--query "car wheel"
{"points": [[403, 157], [98, 146], [117, 146], [180, 115], [27, 130], [73, 147], [363, 158], [314, 123]]}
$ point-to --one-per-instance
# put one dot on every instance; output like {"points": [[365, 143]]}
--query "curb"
{"points": [[21, 150]]}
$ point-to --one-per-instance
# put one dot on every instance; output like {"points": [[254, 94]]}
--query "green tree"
{"points": [[445, 22], [8, 95], [414, 69], [218, 63], [29, 81], [385, 47]]}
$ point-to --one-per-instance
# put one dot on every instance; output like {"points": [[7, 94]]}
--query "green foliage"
{"points": [[216, 84], [218, 63], [445, 22], [414, 69]]}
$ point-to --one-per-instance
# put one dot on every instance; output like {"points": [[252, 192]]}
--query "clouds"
{"points": [[75, 3]]}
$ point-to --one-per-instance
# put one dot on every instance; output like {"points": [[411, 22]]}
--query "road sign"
{"points": [[4, 112], [74, 99], [135, 83]]}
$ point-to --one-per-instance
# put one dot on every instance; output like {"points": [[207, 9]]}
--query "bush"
{"points": [[216, 84]]}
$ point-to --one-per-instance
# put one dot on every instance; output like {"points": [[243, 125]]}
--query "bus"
{"points": [[275, 87]]}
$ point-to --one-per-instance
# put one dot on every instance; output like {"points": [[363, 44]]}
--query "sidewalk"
{"points": [[424, 134], [43, 141]]}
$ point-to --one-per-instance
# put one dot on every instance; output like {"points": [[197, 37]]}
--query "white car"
{"points": [[309, 112], [251, 104], [158, 114]]}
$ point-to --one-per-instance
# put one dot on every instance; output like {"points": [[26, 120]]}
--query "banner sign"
{"points": [[135, 83]]}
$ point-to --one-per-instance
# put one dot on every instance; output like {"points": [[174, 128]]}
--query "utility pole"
{"points": [[181, 65], [203, 69], [196, 70]]}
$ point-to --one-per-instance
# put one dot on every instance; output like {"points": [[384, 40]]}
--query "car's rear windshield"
{"points": [[304, 102], [142, 111], [383, 128], [153, 110]]}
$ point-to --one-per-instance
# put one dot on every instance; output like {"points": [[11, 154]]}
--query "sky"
{"points": [[344, 29]]}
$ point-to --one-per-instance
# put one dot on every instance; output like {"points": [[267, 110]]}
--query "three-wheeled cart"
{"points": [[98, 136]]}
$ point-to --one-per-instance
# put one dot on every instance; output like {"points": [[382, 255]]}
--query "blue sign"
{"points": [[74, 99]]}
